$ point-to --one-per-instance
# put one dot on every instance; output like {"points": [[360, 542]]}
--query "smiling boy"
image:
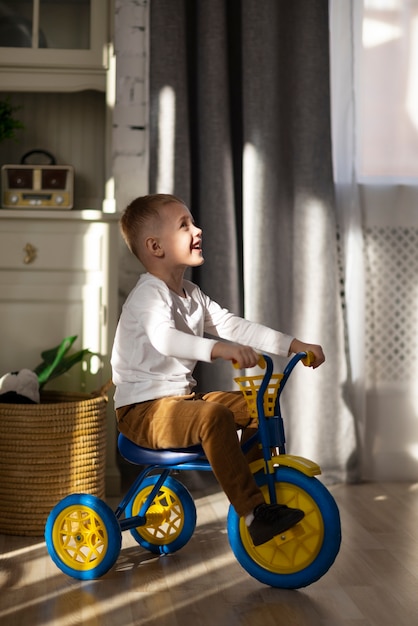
{"points": [[166, 326]]}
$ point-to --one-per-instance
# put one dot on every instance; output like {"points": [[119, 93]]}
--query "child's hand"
{"points": [[300, 346], [243, 355]]}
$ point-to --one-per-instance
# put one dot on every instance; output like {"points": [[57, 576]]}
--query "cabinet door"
{"points": [[34, 317], [53, 284], [42, 36]]}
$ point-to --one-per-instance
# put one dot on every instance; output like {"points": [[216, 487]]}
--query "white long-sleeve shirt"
{"points": [[160, 338]]}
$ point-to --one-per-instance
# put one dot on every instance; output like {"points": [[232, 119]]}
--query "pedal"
{"points": [[293, 533]]}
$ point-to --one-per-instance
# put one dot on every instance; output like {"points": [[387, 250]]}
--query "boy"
{"points": [[158, 342]]}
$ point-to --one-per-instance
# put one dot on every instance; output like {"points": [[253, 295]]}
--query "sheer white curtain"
{"points": [[345, 28], [374, 64]]}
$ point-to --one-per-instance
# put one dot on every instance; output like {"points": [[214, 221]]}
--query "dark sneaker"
{"points": [[271, 520]]}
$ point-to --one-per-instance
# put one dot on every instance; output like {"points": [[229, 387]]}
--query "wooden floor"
{"points": [[374, 581]]}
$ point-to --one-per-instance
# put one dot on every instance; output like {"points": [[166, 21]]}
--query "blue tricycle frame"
{"points": [[84, 535]]}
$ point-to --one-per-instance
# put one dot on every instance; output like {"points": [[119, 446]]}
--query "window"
{"points": [[387, 90]]}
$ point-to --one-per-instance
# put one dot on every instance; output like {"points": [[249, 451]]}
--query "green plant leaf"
{"points": [[50, 355], [55, 362], [8, 124]]}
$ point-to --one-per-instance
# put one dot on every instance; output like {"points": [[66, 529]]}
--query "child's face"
{"points": [[180, 238]]}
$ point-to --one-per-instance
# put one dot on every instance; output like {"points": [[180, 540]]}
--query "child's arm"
{"points": [[300, 346], [247, 357], [220, 322], [243, 355]]}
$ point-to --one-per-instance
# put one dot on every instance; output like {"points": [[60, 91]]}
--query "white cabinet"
{"points": [[54, 45], [58, 277]]}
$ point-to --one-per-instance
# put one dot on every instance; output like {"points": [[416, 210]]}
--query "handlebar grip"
{"points": [[261, 363], [308, 359]]}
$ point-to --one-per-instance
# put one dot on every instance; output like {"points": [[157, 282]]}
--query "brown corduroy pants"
{"points": [[210, 419]]}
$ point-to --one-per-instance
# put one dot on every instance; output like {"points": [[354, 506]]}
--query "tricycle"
{"points": [[84, 535]]}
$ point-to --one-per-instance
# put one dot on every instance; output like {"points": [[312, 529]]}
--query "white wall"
{"points": [[130, 119]]}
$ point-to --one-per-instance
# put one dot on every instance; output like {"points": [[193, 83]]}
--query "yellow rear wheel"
{"points": [[170, 520], [83, 536]]}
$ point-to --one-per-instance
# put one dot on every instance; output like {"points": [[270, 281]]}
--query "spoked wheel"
{"points": [[171, 518], [83, 536], [301, 555]]}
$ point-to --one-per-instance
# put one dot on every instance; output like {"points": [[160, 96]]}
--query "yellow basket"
{"points": [[250, 385]]}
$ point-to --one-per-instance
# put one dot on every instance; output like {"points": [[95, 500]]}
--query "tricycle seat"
{"points": [[138, 455]]}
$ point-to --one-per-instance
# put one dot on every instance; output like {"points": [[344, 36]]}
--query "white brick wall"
{"points": [[130, 119]]}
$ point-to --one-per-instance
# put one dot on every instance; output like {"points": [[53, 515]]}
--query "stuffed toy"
{"points": [[19, 387], [24, 387]]}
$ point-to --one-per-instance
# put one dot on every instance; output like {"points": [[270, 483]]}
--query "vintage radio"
{"points": [[37, 186]]}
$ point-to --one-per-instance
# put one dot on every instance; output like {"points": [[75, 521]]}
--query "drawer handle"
{"points": [[30, 254]]}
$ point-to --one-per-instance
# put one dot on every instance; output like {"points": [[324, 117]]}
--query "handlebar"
{"points": [[261, 363], [271, 383], [262, 394], [307, 359]]}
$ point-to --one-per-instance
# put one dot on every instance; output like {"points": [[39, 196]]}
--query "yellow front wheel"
{"points": [[83, 536], [304, 553]]}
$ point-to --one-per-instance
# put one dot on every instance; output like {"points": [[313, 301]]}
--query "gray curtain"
{"points": [[251, 154]]}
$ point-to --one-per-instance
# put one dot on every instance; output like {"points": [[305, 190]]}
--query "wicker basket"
{"points": [[48, 451]]}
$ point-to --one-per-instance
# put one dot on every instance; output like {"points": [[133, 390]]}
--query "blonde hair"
{"points": [[138, 214]]}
